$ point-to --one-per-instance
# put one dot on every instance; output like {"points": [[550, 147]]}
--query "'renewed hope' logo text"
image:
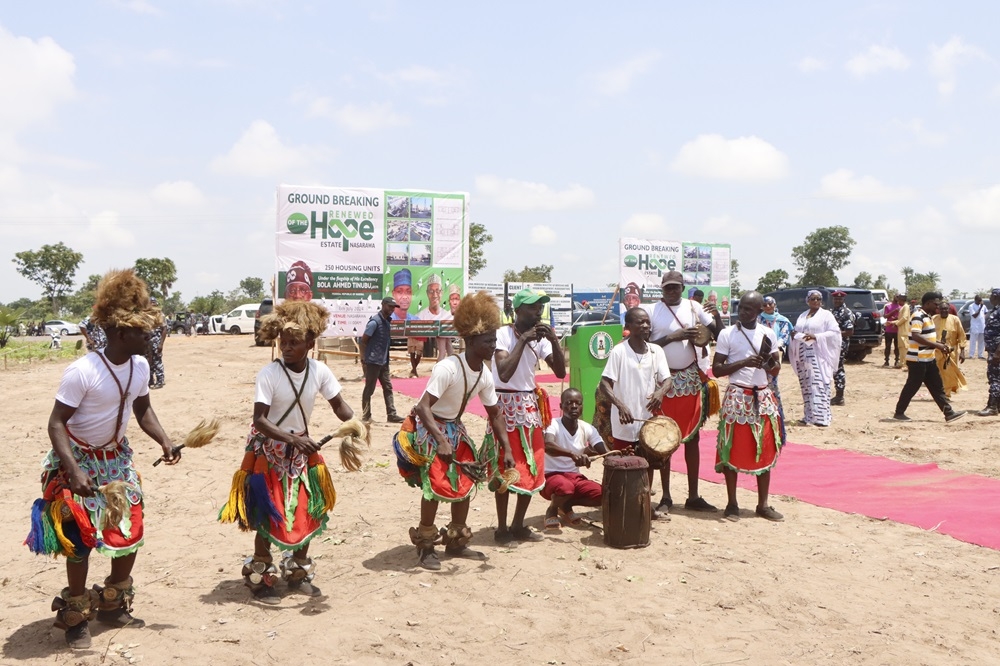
{"points": [[348, 232]]}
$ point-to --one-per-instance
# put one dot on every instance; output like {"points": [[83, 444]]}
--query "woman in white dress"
{"points": [[815, 353]]}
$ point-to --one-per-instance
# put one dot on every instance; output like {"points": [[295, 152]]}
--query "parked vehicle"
{"points": [[868, 328], [210, 325], [61, 327], [241, 320], [592, 316], [178, 325], [265, 308]]}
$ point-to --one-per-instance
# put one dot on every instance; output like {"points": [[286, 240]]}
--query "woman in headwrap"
{"points": [[782, 328], [815, 353]]}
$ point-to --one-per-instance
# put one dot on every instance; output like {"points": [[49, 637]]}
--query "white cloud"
{"points": [[980, 209], [104, 229], [177, 193], [35, 77], [876, 59], [945, 60], [260, 153], [843, 184], [725, 226], [356, 119], [747, 158], [619, 78], [525, 196], [923, 135], [810, 64], [645, 225], [543, 235]]}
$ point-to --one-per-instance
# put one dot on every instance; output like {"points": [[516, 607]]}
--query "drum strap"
{"points": [[679, 323]]}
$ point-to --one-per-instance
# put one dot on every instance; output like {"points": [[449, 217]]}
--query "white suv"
{"points": [[241, 319]]}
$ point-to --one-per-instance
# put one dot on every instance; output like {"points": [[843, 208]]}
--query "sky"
{"points": [[148, 128]]}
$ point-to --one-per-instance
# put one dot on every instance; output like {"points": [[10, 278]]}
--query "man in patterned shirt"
{"points": [[921, 366], [991, 337], [845, 319]]}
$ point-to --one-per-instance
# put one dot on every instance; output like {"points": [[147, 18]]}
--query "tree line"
{"points": [[54, 268]]}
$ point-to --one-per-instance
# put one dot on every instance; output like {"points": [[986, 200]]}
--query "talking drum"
{"points": [[659, 437], [703, 336], [625, 502]]}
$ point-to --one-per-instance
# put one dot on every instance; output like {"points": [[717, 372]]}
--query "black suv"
{"points": [[266, 306], [867, 321]]}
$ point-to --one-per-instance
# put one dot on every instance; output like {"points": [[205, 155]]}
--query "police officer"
{"points": [[991, 337], [845, 319]]}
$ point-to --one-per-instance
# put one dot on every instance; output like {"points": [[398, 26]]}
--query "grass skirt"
{"points": [[283, 495], [58, 506], [418, 464]]}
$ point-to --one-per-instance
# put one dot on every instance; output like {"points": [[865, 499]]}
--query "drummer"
{"points": [[674, 322], [635, 380], [749, 420], [569, 443]]}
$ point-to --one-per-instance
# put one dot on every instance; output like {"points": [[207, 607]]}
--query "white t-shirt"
{"points": [[88, 386], [442, 315], [274, 389], [523, 378], [586, 435], [662, 323], [636, 377], [736, 348], [448, 386]]}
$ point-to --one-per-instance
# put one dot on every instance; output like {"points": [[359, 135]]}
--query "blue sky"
{"points": [[148, 128]]}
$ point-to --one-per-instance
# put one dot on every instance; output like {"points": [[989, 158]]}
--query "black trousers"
{"points": [[925, 373], [379, 373], [890, 340]]}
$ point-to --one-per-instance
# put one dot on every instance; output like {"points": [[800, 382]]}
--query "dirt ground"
{"points": [[823, 587]]}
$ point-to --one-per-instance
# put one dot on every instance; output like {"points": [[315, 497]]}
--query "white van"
{"points": [[880, 295], [241, 319]]}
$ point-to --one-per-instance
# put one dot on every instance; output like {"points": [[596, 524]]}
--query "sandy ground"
{"points": [[821, 588]]}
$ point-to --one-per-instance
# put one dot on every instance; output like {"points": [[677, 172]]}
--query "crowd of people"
{"points": [[282, 490]]}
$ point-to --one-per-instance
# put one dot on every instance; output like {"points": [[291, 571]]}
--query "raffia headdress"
{"points": [[301, 317], [477, 314], [123, 301]]}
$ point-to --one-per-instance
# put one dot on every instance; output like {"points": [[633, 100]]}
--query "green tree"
{"points": [[253, 288], [214, 303], [881, 282], [173, 304], [734, 277], [8, 321], [863, 280], [824, 252], [478, 237], [773, 280], [953, 294], [907, 276], [52, 268], [81, 302], [159, 275], [541, 273]]}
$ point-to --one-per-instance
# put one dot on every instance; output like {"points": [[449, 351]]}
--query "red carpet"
{"points": [[964, 506]]}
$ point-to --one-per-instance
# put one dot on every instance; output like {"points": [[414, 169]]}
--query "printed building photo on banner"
{"points": [[704, 266], [347, 248]]}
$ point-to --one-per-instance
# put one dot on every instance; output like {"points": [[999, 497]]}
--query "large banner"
{"points": [[350, 247], [705, 266]]}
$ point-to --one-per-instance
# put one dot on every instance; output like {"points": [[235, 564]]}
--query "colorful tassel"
{"points": [[327, 491], [259, 505], [36, 537], [55, 512], [544, 410], [88, 533], [235, 509], [714, 400]]}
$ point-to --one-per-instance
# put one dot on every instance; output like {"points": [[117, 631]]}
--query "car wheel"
{"points": [[235, 330], [64, 332]]}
